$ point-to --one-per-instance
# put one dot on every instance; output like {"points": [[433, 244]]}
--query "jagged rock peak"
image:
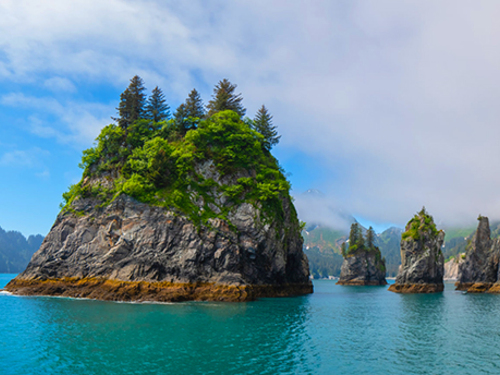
{"points": [[422, 261], [479, 270]]}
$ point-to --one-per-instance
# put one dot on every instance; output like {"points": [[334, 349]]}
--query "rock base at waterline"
{"points": [[416, 288], [129, 291], [362, 282]]}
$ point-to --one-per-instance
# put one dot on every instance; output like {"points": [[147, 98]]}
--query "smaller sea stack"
{"points": [[363, 263], [422, 261], [478, 272]]}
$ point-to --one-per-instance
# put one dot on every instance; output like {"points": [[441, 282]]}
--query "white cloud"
{"points": [[77, 122], [23, 158], [399, 99], [59, 84]]}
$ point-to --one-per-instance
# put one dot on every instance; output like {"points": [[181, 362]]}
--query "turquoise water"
{"points": [[336, 330]]}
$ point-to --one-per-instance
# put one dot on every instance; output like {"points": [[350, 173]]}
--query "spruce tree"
{"points": [[224, 98], [194, 105], [189, 113], [264, 125], [181, 122], [157, 108], [131, 107], [370, 239], [356, 240], [343, 249]]}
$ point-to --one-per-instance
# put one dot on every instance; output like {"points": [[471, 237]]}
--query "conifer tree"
{"points": [[370, 239], [181, 117], [131, 107], [224, 98], [194, 105], [356, 240], [157, 108], [189, 113], [264, 125]]}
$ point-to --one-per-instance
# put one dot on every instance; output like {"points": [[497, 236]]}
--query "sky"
{"points": [[383, 106]]}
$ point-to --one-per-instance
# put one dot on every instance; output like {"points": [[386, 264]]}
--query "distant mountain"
{"points": [[322, 247], [389, 242], [16, 250]]}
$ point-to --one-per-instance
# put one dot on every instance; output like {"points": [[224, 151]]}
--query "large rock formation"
{"points": [[363, 264], [204, 217], [451, 267], [479, 270], [422, 261], [363, 268], [135, 252]]}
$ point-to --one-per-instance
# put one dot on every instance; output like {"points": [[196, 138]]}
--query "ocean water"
{"points": [[336, 330]]}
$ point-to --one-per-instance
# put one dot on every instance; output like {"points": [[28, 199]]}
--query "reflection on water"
{"points": [[337, 330]]}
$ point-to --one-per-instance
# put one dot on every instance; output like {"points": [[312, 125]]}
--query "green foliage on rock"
{"points": [[357, 242], [419, 224], [222, 157]]}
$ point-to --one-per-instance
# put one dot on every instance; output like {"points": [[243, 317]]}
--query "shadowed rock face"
{"points": [[363, 268], [479, 270], [136, 252], [422, 262]]}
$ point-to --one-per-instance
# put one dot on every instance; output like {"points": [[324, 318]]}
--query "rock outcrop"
{"points": [[165, 215], [422, 261], [479, 271], [363, 268], [130, 251], [451, 267]]}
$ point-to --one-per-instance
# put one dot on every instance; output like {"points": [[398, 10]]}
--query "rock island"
{"points": [[422, 261], [193, 207], [363, 263]]}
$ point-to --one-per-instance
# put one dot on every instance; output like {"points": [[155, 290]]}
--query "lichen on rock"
{"points": [[422, 261]]}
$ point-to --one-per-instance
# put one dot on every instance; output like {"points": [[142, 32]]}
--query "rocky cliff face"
{"points": [[451, 268], [363, 268], [479, 270], [167, 215], [135, 252], [422, 262]]}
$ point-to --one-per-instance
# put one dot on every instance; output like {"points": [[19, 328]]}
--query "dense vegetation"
{"points": [[163, 161], [359, 243], [419, 224], [16, 250]]}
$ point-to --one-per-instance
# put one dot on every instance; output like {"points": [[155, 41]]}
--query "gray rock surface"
{"points": [[451, 268], [134, 242], [422, 261], [481, 260], [363, 268]]}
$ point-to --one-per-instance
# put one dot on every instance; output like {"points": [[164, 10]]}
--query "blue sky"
{"points": [[384, 106]]}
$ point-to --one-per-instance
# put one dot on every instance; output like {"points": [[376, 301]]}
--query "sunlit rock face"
{"points": [[131, 251]]}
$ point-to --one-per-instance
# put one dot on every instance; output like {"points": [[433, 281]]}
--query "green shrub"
{"points": [[154, 164]]}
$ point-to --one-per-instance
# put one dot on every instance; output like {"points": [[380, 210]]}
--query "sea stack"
{"points": [[174, 211], [422, 261], [479, 270], [363, 263]]}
